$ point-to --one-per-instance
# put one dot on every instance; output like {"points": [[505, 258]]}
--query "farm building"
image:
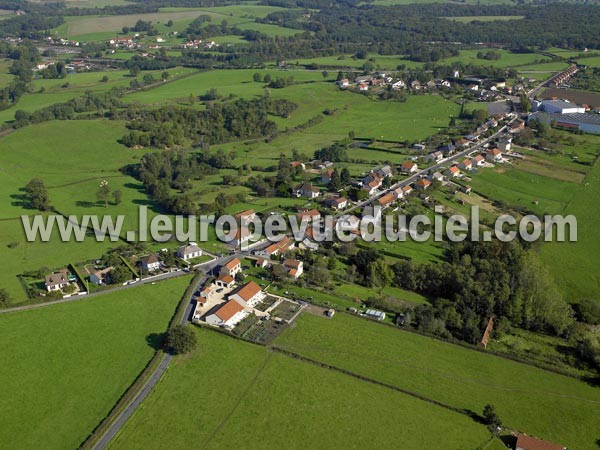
{"points": [[587, 123], [375, 314]]}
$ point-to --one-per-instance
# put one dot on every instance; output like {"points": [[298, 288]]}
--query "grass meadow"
{"points": [[234, 394], [68, 364], [574, 264], [453, 375]]}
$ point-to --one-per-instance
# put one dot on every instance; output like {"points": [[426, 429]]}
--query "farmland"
{"points": [[329, 409], [564, 259], [68, 364], [453, 375]]}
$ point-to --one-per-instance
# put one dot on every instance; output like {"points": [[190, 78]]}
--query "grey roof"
{"points": [[574, 118], [562, 104]]}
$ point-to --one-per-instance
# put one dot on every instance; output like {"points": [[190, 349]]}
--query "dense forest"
{"points": [[219, 123]]}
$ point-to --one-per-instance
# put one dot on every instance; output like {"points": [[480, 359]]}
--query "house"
{"points": [[492, 123], [407, 189], [295, 164], [371, 187], [516, 127], [398, 85], [228, 315], [330, 312], [198, 309], [248, 295], [348, 222], [430, 85], [245, 217], [276, 248], [373, 179], [493, 155], [409, 167], [150, 263], [504, 144], [436, 156], [462, 143], [99, 277], [466, 164], [386, 200], [363, 87], [479, 161], [422, 184], [295, 267], [225, 281], [337, 203], [189, 251], [57, 280], [528, 443], [416, 85], [374, 314], [343, 83], [437, 176], [384, 172], [452, 172], [309, 215], [306, 189], [398, 193], [467, 189], [241, 236], [447, 149], [326, 176], [419, 147], [205, 293], [232, 268], [261, 263]]}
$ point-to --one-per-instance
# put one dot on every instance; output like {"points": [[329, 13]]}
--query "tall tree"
{"points": [[37, 194]]}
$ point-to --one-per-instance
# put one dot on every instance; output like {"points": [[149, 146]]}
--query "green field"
{"points": [[564, 260], [507, 58], [520, 188], [76, 85], [389, 62], [454, 376], [230, 394], [88, 153], [67, 365], [593, 61]]}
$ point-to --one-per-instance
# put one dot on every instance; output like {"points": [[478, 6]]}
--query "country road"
{"points": [[137, 400]]}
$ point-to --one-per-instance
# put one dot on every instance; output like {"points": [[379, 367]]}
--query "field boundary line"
{"points": [[144, 381], [347, 372], [237, 403]]}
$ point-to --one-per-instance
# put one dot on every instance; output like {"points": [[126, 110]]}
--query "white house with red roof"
{"points": [[228, 315], [409, 167], [295, 268], [248, 295], [232, 268]]}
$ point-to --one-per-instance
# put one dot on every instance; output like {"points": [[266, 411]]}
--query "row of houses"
{"points": [[379, 80]]}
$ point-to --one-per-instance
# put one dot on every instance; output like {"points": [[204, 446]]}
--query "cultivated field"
{"points": [[233, 394], [453, 375], [591, 99], [67, 365]]}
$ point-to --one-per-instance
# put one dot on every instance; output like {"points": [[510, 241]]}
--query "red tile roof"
{"points": [[249, 290], [228, 310], [233, 263], [529, 443]]}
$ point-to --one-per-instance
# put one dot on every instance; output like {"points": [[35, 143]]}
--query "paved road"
{"points": [[165, 276], [137, 400], [425, 172]]}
